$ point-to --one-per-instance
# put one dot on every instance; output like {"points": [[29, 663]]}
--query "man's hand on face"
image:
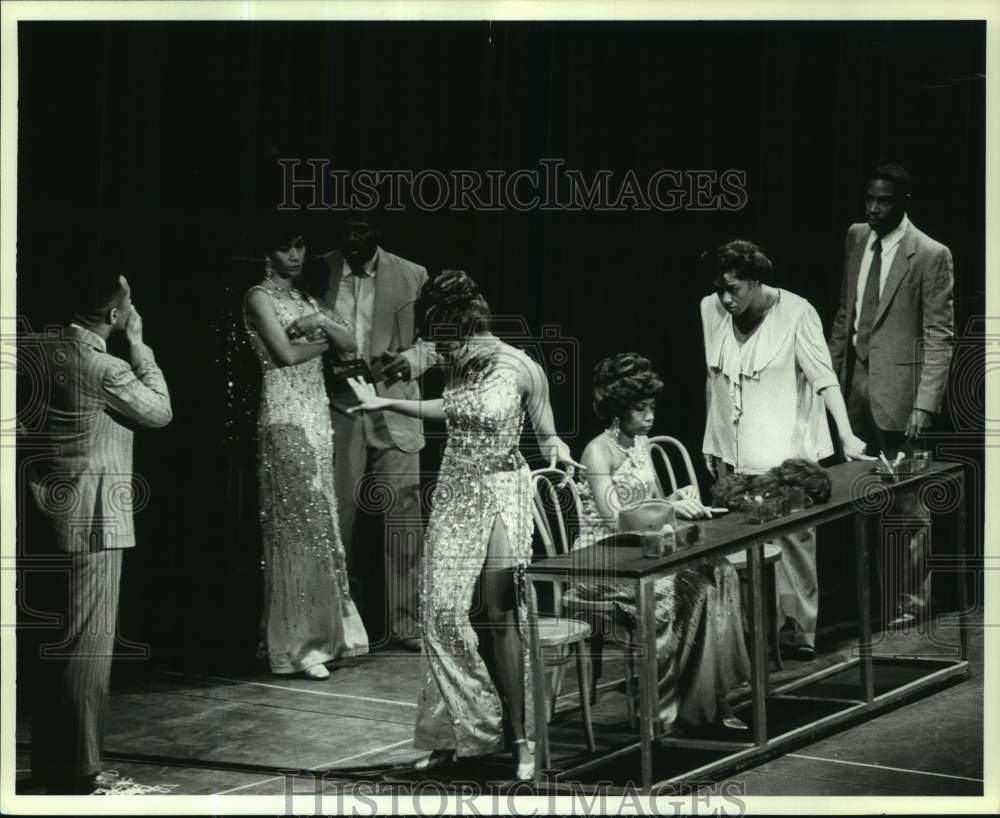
{"points": [[133, 327]]}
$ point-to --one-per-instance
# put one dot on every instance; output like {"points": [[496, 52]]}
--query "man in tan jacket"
{"points": [[891, 345], [377, 455]]}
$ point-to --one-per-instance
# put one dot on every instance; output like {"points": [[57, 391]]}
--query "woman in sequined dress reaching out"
{"points": [[309, 618], [479, 535]]}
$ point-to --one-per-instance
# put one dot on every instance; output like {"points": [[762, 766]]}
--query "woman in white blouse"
{"points": [[770, 383]]}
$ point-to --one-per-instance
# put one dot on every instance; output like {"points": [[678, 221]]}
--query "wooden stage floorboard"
{"points": [[218, 733]]}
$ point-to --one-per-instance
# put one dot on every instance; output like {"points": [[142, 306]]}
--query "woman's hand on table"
{"points": [[687, 503], [854, 448]]}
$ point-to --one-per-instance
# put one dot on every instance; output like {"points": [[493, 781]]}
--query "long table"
{"points": [[858, 492]]}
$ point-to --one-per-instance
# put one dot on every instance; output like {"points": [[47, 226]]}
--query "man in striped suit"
{"points": [[79, 479]]}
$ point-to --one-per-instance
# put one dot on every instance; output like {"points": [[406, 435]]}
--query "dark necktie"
{"points": [[869, 303]]}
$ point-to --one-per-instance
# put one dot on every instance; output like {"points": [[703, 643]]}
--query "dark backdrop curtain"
{"points": [[165, 136]]}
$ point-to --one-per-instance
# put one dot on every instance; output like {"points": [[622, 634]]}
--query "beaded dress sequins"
{"points": [[309, 617], [700, 650], [484, 481]]}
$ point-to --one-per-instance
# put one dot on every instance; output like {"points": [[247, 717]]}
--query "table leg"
{"points": [[583, 683], [539, 696], [648, 682], [962, 546], [864, 606], [758, 642], [771, 600]]}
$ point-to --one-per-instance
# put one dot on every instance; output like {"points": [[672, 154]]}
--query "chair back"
{"points": [[557, 511], [668, 452]]}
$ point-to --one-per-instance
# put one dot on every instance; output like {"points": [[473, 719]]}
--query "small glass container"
{"points": [[764, 509], [653, 544], [774, 507], [795, 499], [921, 460]]}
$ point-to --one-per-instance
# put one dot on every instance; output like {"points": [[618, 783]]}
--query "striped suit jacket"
{"points": [[81, 476]]}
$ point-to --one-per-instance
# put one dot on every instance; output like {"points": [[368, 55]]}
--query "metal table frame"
{"points": [[856, 492]]}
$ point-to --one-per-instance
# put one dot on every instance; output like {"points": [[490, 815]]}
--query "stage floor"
{"points": [[218, 733]]}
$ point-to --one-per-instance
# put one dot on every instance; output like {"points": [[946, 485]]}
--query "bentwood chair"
{"points": [[561, 639], [558, 512], [659, 447]]}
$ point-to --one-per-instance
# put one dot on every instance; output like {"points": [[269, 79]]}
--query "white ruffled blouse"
{"points": [[764, 401]]}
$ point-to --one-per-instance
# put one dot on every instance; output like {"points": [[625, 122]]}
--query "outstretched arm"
{"points": [[535, 388], [370, 401], [854, 447], [813, 358]]}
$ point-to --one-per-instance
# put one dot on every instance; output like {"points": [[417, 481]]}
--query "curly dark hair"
{"points": [[733, 490], [744, 259], [451, 305], [812, 477], [621, 381]]}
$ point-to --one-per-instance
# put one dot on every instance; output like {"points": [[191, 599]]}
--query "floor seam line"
{"points": [[317, 768], [884, 767], [294, 689]]}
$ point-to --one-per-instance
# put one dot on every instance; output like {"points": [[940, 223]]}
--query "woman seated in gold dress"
{"points": [[699, 627]]}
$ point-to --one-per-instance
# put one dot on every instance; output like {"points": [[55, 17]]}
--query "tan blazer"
{"points": [[911, 342], [80, 469], [397, 285]]}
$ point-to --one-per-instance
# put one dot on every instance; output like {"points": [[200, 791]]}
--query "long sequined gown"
{"points": [[309, 617], [484, 482], [699, 624]]}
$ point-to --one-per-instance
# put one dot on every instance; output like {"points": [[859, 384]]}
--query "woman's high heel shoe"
{"points": [[437, 758], [525, 767]]}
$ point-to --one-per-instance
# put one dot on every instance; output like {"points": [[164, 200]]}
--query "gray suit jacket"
{"points": [[81, 475], [911, 341], [397, 285]]}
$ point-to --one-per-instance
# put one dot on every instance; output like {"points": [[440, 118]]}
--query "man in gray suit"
{"points": [[378, 455], [79, 478], [891, 344]]}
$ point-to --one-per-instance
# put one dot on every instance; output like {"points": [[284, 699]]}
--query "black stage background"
{"points": [[165, 136]]}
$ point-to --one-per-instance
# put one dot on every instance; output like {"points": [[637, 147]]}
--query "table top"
{"points": [[856, 488]]}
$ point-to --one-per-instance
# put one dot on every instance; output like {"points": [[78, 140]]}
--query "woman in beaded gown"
{"points": [[309, 617], [479, 536], [699, 625]]}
